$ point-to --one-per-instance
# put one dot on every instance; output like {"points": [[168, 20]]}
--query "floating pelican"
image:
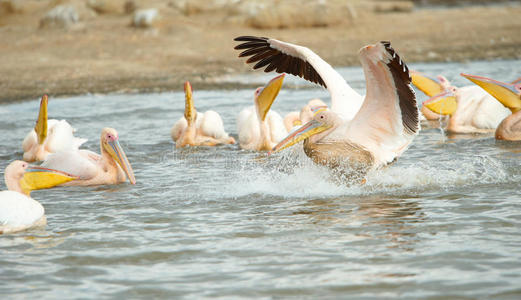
{"points": [[93, 169], [471, 109], [295, 119], [18, 211], [292, 120], [49, 136], [198, 129], [509, 94], [351, 134], [260, 128]]}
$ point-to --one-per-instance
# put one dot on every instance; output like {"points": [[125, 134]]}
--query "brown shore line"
{"points": [[104, 54]]}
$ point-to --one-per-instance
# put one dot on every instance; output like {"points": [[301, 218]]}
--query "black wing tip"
{"points": [[408, 103], [249, 38], [271, 59]]}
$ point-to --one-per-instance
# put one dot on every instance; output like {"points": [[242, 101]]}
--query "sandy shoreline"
{"points": [[105, 54]]}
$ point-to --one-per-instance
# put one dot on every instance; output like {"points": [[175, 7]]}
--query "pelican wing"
{"points": [[18, 211], [283, 57], [388, 119], [82, 163]]}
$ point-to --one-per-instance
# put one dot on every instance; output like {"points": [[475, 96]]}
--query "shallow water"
{"points": [[443, 221]]}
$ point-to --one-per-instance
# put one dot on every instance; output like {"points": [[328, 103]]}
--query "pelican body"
{"points": [[470, 109], [198, 129], [358, 133], [260, 128], [18, 211], [109, 167], [49, 136], [509, 95]]}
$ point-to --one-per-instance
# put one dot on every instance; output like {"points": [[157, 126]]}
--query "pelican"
{"points": [[260, 128], [292, 120], [49, 136], [198, 129], [470, 109], [509, 94], [370, 132], [94, 169], [295, 119], [18, 211]]}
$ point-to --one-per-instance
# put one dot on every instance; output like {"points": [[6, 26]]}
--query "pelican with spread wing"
{"points": [[369, 132]]}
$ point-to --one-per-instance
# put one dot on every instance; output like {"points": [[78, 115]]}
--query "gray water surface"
{"points": [[443, 221]]}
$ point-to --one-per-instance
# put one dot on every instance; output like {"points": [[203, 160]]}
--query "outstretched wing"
{"points": [[388, 120], [283, 57]]}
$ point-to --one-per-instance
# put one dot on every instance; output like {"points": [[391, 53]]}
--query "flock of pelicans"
{"points": [[355, 132]]}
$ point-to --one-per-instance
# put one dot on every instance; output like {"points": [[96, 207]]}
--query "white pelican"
{"points": [[509, 94], [351, 134], [93, 169], [295, 119], [49, 136], [198, 129], [292, 120], [260, 128], [18, 211], [471, 109]]}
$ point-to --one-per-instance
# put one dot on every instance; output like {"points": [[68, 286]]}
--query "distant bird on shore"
{"points": [[509, 94], [471, 109], [94, 169], [260, 128], [356, 133], [198, 129], [18, 211], [49, 136]]}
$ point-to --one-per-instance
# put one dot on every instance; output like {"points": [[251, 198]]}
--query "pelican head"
{"points": [[41, 124], [264, 96], [509, 94], [190, 112], [307, 112], [323, 122], [444, 103], [110, 144], [23, 177]]}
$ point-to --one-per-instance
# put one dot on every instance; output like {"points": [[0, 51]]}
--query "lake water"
{"points": [[444, 221]]}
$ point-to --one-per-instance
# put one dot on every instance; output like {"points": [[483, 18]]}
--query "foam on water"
{"points": [[297, 177]]}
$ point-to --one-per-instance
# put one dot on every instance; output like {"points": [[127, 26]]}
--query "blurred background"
{"points": [[66, 47]]}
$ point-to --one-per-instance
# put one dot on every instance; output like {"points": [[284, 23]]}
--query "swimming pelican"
{"points": [[470, 109], [259, 127], [93, 169], [509, 94], [295, 119], [369, 135], [18, 211], [49, 136], [198, 129]]}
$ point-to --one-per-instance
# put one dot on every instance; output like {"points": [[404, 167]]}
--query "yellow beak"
{"points": [[425, 84], [36, 177], [267, 96], [443, 103], [305, 131], [503, 92], [117, 153], [41, 123], [190, 112]]}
